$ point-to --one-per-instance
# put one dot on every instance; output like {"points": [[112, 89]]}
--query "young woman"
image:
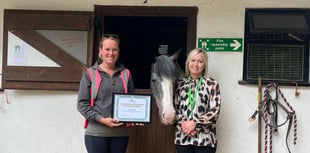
{"points": [[103, 133]]}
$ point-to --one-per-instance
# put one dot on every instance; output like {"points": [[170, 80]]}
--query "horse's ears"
{"points": [[176, 54]]}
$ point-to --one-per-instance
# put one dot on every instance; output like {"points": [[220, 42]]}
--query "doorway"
{"points": [[145, 33]]}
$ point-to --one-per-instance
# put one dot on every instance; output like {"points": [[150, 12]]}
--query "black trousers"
{"points": [[106, 144], [194, 149]]}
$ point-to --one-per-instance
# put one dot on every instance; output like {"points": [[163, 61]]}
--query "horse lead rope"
{"points": [[265, 118]]}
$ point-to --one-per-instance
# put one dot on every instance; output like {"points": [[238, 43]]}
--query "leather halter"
{"points": [[269, 110]]}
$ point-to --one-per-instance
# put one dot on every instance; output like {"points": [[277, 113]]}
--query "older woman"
{"points": [[197, 104]]}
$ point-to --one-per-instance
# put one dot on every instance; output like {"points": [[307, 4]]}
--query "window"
{"points": [[45, 49], [276, 46]]}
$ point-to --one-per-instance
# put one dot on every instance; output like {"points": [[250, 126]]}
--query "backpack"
{"points": [[95, 79]]}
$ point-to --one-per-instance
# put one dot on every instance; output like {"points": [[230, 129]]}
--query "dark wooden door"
{"points": [[152, 138]]}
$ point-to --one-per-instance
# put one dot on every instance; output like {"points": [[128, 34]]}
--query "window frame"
{"points": [[260, 32]]}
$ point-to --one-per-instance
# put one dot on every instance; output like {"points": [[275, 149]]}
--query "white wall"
{"points": [[48, 122], [40, 122]]}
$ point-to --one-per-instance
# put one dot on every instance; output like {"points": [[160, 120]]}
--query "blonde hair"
{"points": [[193, 53]]}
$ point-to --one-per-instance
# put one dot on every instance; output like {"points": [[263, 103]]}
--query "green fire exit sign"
{"points": [[220, 44]]}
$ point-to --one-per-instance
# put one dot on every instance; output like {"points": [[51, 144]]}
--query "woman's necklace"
{"points": [[193, 101]]}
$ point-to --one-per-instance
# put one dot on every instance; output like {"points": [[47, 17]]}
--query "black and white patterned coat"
{"points": [[205, 112]]}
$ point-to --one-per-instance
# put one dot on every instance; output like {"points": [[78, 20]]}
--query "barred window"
{"points": [[276, 46]]}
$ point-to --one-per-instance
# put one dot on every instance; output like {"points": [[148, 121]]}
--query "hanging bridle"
{"points": [[269, 110]]}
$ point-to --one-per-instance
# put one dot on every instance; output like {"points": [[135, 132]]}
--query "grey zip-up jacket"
{"points": [[103, 102]]}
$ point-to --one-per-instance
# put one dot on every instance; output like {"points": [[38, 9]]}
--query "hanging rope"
{"points": [[272, 125], [269, 110]]}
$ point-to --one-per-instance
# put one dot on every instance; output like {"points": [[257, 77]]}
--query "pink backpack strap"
{"points": [[125, 72], [96, 80], [93, 75]]}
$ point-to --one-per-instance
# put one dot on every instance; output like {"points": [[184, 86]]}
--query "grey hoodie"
{"points": [[103, 102]]}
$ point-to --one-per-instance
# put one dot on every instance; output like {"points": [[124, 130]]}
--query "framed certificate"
{"points": [[132, 108]]}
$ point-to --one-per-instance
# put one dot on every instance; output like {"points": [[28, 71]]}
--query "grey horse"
{"points": [[165, 72]]}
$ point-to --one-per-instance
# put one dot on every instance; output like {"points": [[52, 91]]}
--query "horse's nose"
{"points": [[169, 117]]}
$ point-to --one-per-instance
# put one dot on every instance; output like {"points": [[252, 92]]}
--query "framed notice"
{"points": [[132, 108]]}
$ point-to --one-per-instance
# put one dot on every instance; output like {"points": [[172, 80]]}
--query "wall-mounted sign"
{"points": [[220, 44], [163, 49]]}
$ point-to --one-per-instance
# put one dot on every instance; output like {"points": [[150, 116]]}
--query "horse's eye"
{"points": [[153, 80]]}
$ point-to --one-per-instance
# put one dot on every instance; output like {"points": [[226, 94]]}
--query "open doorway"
{"points": [[142, 39], [144, 31]]}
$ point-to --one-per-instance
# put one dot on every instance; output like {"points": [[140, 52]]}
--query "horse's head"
{"points": [[165, 72]]}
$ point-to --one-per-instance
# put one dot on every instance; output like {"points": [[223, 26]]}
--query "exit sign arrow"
{"points": [[236, 45], [220, 44]]}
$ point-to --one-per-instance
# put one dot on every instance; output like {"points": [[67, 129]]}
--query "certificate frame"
{"points": [[132, 108]]}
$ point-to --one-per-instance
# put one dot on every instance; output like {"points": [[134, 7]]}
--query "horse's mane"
{"points": [[165, 67]]}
